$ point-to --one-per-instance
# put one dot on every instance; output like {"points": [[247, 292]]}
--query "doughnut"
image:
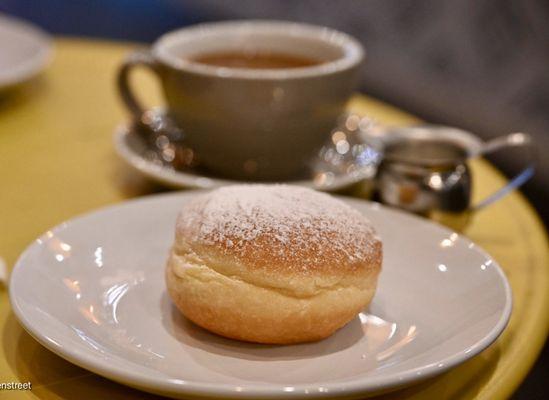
{"points": [[276, 264]]}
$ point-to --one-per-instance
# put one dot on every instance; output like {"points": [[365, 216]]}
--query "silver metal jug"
{"points": [[424, 169]]}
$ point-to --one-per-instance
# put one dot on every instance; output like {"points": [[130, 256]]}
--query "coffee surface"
{"points": [[254, 60]]}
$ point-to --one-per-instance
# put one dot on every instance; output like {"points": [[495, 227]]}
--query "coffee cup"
{"points": [[255, 99]]}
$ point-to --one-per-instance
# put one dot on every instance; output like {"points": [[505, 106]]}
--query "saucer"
{"points": [[92, 291], [333, 168], [25, 51]]}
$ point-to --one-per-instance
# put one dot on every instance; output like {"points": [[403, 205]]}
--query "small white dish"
{"points": [[132, 149], [330, 171], [25, 50], [92, 290]]}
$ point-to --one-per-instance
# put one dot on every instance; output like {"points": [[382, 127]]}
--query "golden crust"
{"points": [[263, 253], [295, 282], [282, 228], [262, 274], [234, 308]]}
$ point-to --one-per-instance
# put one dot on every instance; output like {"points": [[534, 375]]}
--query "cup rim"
{"points": [[353, 51]]}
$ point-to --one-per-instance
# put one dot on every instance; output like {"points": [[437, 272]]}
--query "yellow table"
{"points": [[57, 161]]}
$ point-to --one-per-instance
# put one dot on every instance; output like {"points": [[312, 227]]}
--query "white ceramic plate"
{"points": [[24, 51], [92, 290], [131, 149]]}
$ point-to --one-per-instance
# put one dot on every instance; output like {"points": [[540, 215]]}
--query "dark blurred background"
{"points": [[481, 65]]}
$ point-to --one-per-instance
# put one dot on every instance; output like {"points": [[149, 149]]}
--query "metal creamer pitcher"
{"points": [[425, 169]]}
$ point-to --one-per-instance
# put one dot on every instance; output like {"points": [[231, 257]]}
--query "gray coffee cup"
{"points": [[244, 123]]}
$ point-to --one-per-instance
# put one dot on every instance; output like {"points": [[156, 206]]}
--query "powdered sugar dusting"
{"points": [[295, 226]]}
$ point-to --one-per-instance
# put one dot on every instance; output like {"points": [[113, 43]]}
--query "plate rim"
{"points": [[177, 387]]}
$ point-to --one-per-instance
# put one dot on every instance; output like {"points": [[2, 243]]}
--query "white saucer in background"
{"points": [[328, 176], [25, 50]]}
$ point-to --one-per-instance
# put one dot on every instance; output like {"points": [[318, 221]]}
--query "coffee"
{"points": [[254, 60]]}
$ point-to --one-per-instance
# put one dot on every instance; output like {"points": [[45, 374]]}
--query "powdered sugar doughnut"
{"points": [[272, 263]]}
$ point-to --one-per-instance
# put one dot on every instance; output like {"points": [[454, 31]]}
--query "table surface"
{"points": [[57, 161]]}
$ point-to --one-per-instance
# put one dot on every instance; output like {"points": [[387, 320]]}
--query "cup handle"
{"points": [[518, 139], [138, 58]]}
